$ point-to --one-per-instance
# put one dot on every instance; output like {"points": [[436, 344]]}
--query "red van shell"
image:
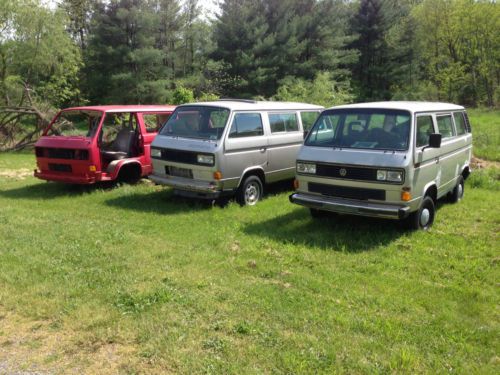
{"points": [[82, 160]]}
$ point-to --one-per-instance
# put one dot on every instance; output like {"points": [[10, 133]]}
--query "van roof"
{"points": [[252, 105], [125, 108], [407, 106]]}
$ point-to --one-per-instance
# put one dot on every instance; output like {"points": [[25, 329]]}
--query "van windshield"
{"points": [[75, 123], [380, 129], [200, 122]]}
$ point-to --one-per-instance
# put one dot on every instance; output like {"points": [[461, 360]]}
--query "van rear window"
{"points": [[75, 123]]}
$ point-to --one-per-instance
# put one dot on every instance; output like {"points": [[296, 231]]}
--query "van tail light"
{"points": [[217, 175], [295, 184]]}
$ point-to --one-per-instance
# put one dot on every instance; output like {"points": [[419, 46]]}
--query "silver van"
{"points": [[386, 159], [215, 149]]}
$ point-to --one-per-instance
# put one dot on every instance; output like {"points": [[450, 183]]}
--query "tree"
{"points": [[79, 13], [459, 42], [371, 72], [124, 62], [263, 42]]}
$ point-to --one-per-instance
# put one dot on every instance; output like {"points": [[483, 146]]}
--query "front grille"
{"points": [[180, 156], [60, 167], [347, 192], [346, 172], [62, 153]]}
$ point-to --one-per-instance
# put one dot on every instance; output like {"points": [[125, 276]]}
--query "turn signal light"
{"points": [[295, 184], [405, 196], [217, 175], [92, 168]]}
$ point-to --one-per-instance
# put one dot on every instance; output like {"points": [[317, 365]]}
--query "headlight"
{"points": [[205, 159], [155, 153], [392, 176], [306, 168], [381, 175]]}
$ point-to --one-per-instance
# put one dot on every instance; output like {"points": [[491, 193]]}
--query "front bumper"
{"points": [[68, 179], [191, 188], [350, 206]]}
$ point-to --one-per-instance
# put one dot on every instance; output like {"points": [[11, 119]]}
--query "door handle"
{"points": [[437, 160], [263, 149]]}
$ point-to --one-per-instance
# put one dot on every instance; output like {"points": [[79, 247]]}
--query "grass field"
{"points": [[133, 280]]}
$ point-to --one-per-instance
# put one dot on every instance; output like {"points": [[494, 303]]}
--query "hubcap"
{"points": [[424, 217], [251, 194], [460, 191]]}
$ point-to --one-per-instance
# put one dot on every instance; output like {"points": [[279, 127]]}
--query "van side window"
{"points": [[246, 125], [424, 129], [445, 126], [308, 119], [283, 122], [460, 123], [153, 122]]}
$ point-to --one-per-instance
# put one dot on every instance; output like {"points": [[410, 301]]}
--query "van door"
{"points": [[427, 163], [244, 148], [150, 123], [448, 157], [284, 143]]}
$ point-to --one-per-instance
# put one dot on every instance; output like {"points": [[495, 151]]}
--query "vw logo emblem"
{"points": [[343, 172]]}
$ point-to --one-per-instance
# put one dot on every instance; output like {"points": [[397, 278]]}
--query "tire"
{"points": [[424, 216], [250, 191], [458, 191]]}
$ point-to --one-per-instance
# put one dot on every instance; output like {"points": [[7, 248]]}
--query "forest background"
{"points": [[75, 52]]}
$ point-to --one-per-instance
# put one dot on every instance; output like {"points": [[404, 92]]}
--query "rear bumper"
{"points": [[68, 179], [350, 206], [191, 188]]}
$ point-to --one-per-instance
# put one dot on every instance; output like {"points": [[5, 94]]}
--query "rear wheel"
{"points": [[130, 174], [458, 191], [424, 216], [250, 191]]}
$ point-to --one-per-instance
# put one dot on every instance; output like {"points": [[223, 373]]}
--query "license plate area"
{"points": [[179, 172], [60, 167]]}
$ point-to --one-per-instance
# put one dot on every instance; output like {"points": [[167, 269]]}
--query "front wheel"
{"points": [[424, 216], [250, 191]]}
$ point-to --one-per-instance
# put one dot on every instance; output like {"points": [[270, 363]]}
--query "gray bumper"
{"points": [[350, 206], [190, 188]]}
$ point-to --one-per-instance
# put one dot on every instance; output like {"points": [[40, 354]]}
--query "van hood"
{"points": [[64, 142], [178, 143], [361, 157]]}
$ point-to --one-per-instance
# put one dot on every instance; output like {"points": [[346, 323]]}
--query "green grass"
{"points": [[195, 289], [486, 133], [190, 288]]}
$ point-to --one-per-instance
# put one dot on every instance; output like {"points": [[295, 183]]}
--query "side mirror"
{"points": [[435, 140]]}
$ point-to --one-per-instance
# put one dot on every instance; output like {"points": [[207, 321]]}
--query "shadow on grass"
{"points": [[49, 190], [335, 232], [163, 201]]}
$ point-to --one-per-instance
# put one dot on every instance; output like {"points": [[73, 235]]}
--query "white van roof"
{"points": [[406, 106], [253, 105]]}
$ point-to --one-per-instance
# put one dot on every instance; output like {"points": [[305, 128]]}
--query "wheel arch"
{"points": [[253, 171]]}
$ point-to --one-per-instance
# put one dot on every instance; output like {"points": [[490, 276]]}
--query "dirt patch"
{"points": [[19, 174], [477, 163], [33, 347]]}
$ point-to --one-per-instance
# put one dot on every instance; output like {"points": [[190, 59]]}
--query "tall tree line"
{"points": [[326, 51]]}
